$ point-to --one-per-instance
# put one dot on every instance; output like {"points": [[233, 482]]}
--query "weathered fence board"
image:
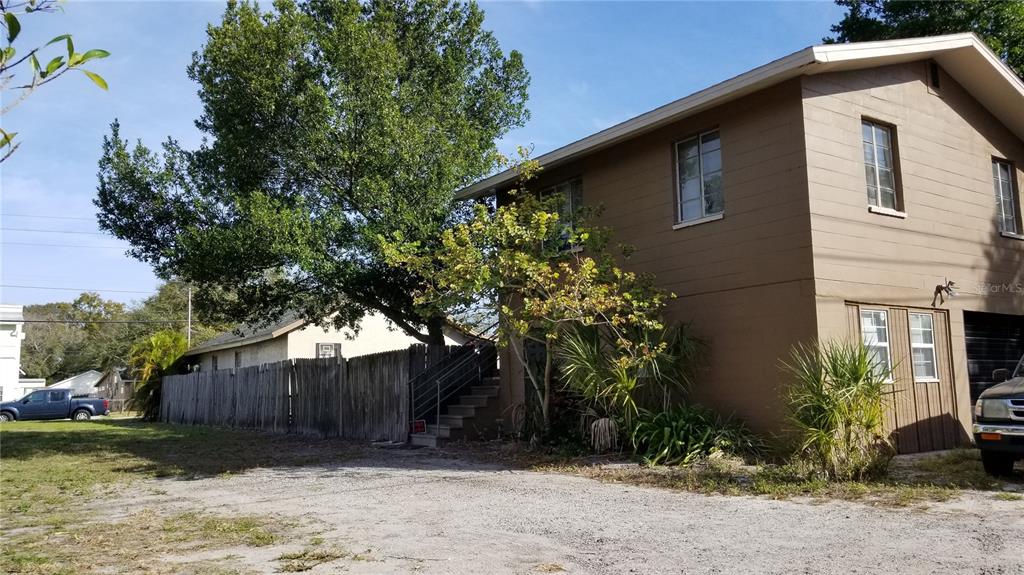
{"points": [[365, 398]]}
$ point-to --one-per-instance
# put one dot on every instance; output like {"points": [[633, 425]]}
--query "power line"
{"points": [[75, 289], [52, 231], [104, 321], [48, 217], [59, 245]]}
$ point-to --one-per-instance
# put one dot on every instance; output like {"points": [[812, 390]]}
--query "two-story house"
{"points": [[867, 191]]}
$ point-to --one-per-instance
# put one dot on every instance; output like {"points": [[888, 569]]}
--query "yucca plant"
{"points": [[689, 433], [610, 386], [837, 402]]}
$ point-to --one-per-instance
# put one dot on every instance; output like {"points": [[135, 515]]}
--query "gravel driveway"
{"points": [[415, 512]]}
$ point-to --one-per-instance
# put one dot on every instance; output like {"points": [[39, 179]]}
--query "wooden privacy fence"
{"points": [[365, 397]]}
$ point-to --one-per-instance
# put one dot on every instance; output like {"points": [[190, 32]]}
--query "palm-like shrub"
{"points": [[837, 404], [613, 387], [150, 358], [688, 433]]}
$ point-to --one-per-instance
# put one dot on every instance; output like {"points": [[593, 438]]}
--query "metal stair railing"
{"points": [[450, 376]]}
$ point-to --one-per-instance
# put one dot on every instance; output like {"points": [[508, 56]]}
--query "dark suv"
{"points": [[999, 421]]}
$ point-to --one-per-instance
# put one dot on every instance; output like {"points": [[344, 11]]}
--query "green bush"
{"points": [[837, 404], [688, 433], [611, 388]]}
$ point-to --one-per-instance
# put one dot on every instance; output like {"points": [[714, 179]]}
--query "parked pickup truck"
{"points": [[53, 404], [999, 421]]}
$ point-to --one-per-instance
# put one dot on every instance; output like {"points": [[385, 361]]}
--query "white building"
{"points": [[12, 332], [293, 338]]}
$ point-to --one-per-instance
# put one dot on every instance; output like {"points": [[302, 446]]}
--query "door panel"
{"points": [[922, 415]]}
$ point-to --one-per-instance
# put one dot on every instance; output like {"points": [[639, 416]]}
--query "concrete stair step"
{"points": [[426, 440], [444, 431], [464, 410], [484, 390], [491, 380], [475, 400], [452, 421]]}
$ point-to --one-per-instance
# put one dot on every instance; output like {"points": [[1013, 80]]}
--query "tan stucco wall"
{"points": [[374, 336], [945, 145], [745, 281], [258, 353]]}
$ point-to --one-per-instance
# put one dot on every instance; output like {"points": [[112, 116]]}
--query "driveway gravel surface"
{"points": [[413, 511]]}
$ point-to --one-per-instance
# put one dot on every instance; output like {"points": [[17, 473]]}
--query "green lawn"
{"points": [[48, 468], [46, 463]]}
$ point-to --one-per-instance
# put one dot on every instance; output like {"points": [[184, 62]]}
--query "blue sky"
{"points": [[593, 64]]}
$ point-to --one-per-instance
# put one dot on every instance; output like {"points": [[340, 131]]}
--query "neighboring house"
{"points": [[830, 193], [294, 338], [12, 333], [84, 383]]}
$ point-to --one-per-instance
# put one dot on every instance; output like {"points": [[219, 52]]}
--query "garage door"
{"points": [[922, 414], [994, 341]]}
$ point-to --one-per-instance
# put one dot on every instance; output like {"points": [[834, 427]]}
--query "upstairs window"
{"points": [[878, 165], [571, 192], [699, 163], [1006, 202]]}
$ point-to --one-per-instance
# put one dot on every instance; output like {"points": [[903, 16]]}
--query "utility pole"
{"points": [[188, 325]]}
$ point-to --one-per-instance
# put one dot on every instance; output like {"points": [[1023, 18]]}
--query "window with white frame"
{"points": [[922, 347], [874, 329], [1006, 204], [571, 192], [699, 163], [878, 165]]}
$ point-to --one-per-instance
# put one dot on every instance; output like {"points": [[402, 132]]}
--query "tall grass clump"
{"points": [[689, 433], [836, 403]]}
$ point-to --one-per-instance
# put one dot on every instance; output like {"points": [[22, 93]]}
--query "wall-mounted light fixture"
{"points": [[944, 291]]}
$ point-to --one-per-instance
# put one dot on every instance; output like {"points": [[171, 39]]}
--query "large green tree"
{"points": [[328, 123], [1000, 23]]}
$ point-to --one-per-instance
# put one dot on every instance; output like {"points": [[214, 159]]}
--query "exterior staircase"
{"points": [[474, 415]]}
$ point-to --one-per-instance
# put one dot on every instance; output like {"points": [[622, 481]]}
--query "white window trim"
{"points": [[552, 190], [1012, 235], [887, 212], [931, 346], [704, 220], [997, 180], [892, 167], [888, 338], [680, 222]]}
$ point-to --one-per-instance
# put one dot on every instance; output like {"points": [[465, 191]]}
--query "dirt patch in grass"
{"points": [[134, 544], [47, 464], [312, 556]]}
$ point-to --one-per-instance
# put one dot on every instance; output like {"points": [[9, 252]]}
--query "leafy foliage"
{"points": [[329, 123], [13, 84], [515, 258], [75, 336], [150, 359], [837, 404], [1000, 23], [612, 390], [687, 433]]}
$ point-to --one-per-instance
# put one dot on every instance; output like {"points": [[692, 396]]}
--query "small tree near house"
{"points": [[545, 274]]}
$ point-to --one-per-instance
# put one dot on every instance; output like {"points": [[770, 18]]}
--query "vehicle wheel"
{"points": [[5, 417], [998, 464], [81, 415]]}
